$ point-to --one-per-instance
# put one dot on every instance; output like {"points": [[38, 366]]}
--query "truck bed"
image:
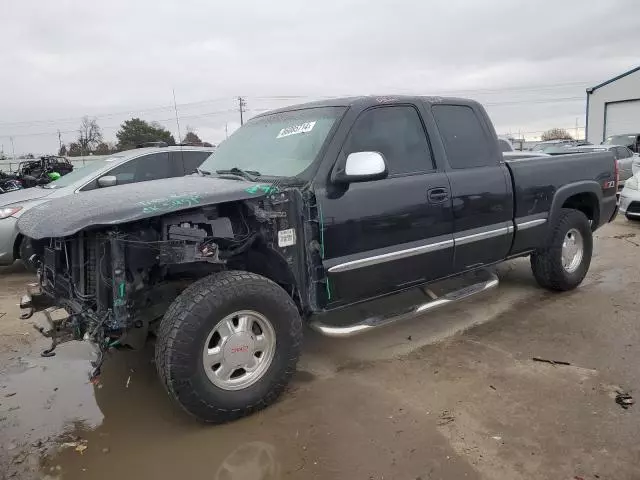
{"points": [[543, 186], [535, 182]]}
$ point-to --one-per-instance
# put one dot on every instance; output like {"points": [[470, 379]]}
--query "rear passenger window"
{"points": [[465, 141], [395, 132]]}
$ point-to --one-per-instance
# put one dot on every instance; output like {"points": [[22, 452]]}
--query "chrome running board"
{"points": [[379, 321]]}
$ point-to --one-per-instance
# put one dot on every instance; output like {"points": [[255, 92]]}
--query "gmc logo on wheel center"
{"points": [[241, 348]]}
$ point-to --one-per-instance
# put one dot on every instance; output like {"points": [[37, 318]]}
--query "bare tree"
{"points": [[89, 134], [556, 134]]}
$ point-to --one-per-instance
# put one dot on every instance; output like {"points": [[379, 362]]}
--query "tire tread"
{"points": [[546, 264], [177, 330]]}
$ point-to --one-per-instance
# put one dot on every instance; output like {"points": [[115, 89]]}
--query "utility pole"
{"points": [[242, 103], [59, 141], [13, 150], [226, 130], [576, 137]]}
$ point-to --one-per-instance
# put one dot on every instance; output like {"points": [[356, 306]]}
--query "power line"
{"points": [[242, 106], [27, 123], [115, 127], [522, 88], [523, 102]]}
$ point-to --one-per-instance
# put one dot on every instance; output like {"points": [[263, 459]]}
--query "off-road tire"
{"points": [[184, 330], [546, 263], [26, 251]]}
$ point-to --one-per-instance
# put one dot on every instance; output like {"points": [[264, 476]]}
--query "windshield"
{"points": [[81, 172], [620, 140], [279, 145]]}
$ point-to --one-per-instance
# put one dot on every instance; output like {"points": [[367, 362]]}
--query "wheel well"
{"points": [[267, 263], [587, 203], [16, 246]]}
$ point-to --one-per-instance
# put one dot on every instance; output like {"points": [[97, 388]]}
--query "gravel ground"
{"points": [[455, 394]]}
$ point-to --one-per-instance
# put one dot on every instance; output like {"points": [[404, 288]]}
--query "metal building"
{"points": [[613, 107]]}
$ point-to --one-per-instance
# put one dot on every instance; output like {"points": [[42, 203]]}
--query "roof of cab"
{"points": [[367, 101]]}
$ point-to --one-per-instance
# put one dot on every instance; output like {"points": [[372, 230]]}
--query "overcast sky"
{"points": [[530, 62]]}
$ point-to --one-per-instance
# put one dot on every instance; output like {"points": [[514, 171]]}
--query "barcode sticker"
{"points": [[286, 238]]}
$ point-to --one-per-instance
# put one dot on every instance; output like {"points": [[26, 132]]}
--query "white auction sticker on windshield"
{"points": [[296, 129]]}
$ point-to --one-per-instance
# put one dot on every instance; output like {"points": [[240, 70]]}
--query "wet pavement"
{"points": [[453, 395]]}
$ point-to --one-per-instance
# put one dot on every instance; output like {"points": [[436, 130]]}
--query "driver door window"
{"points": [[395, 132]]}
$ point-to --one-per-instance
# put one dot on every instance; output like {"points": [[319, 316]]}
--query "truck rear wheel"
{"points": [[564, 262], [228, 345]]}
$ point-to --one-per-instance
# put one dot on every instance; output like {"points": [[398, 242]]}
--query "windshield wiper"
{"points": [[248, 174]]}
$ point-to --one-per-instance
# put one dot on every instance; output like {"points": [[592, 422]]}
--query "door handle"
{"points": [[437, 195]]}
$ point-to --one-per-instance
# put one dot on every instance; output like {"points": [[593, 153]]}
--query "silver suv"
{"points": [[131, 166]]}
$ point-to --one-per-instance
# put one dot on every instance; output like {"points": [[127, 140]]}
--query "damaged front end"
{"points": [[113, 284], [105, 285]]}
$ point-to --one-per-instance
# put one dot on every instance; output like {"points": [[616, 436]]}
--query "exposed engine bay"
{"points": [[114, 283]]}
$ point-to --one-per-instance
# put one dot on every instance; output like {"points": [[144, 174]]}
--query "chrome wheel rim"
{"points": [[239, 350], [572, 250]]}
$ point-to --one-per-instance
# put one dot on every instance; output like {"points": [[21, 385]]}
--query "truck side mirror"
{"points": [[107, 181], [360, 167]]}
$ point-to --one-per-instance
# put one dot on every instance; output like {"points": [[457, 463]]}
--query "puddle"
{"points": [[326, 425], [320, 428], [47, 394]]}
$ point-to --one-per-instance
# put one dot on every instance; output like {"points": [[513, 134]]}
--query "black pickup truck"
{"points": [[302, 212]]}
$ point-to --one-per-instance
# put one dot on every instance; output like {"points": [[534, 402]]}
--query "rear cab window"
{"points": [[466, 142]]}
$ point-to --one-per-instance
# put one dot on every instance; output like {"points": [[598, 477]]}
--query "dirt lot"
{"points": [[449, 396]]}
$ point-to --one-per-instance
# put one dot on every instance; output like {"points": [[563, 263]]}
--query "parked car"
{"points": [[505, 144], [35, 172], [623, 156], [630, 198], [131, 166], [551, 145], [629, 140], [302, 212]]}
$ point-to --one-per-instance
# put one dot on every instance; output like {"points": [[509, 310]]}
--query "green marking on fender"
{"points": [[266, 189], [172, 202], [121, 288]]}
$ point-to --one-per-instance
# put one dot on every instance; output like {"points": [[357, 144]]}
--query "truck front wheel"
{"points": [[228, 345], [564, 262]]}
